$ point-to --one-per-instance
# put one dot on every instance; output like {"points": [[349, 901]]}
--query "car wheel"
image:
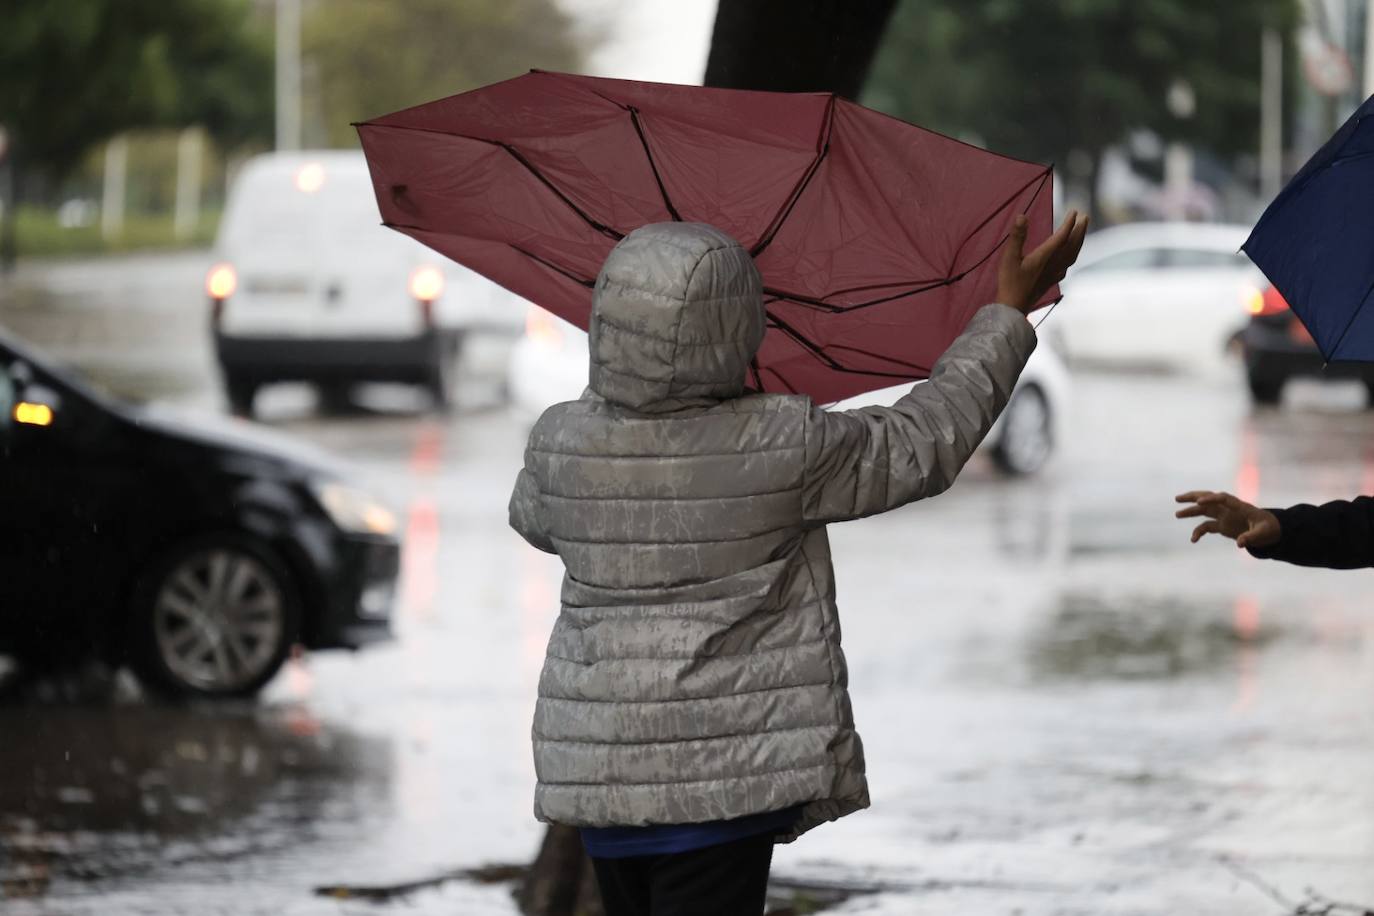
{"points": [[1027, 438], [1266, 391], [240, 394], [15, 675], [216, 618]]}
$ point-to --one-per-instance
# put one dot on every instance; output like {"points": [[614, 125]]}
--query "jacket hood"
{"points": [[677, 316]]}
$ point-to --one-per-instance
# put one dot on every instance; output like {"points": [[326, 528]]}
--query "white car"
{"points": [[309, 286], [550, 363], [1156, 295]]}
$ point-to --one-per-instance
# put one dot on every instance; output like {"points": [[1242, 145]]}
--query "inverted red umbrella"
{"points": [[875, 238]]}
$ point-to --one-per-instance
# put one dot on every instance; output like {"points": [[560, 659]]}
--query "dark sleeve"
{"points": [[1337, 535]]}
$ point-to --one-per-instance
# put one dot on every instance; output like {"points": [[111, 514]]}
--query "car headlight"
{"points": [[352, 509]]}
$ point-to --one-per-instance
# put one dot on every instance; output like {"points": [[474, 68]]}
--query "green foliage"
{"points": [[41, 236], [1043, 79], [75, 72], [367, 57]]}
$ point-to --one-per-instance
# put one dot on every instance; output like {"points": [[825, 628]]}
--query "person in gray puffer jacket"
{"points": [[693, 706]]}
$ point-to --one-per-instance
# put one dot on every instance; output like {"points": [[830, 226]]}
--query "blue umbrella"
{"points": [[1315, 242]]}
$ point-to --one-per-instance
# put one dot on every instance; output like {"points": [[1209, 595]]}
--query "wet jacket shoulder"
{"points": [[1336, 535]]}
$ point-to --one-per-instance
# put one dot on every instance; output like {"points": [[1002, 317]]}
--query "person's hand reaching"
{"points": [[1245, 524], [1023, 279]]}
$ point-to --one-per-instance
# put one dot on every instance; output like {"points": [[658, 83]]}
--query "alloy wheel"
{"points": [[219, 619]]}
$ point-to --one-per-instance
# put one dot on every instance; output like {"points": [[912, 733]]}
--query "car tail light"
{"points": [[426, 283], [1265, 302], [543, 327], [221, 282]]}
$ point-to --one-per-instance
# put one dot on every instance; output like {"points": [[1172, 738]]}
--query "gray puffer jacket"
{"points": [[695, 672]]}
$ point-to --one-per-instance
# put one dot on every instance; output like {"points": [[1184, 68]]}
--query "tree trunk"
{"points": [[9, 219], [796, 45], [1095, 179]]}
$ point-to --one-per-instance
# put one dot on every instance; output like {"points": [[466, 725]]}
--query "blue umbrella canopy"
{"points": [[1315, 242]]}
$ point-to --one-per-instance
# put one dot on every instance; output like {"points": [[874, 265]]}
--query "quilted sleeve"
{"points": [[525, 510], [862, 462]]}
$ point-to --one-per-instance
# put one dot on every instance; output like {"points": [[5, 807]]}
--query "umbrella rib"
{"points": [[800, 338], [831, 308], [754, 368], [643, 141], [595, 224], [589, 284], [1043, 177], [829, 361], [802, 184], [915, 367], [582, 281], [520, 158], [791, 389]]}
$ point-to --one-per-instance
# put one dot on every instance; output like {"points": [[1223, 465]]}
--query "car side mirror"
{"points": [[37, 405]]}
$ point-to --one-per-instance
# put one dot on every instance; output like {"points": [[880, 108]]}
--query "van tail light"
{"points": [[544, 328], [1262, 303], [426, 285], [220, 283]]}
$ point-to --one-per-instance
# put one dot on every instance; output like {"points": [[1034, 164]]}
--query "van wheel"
{"points": [[442, 377], [215, 618], [240, 393], [335, 398], [1265, 391]]}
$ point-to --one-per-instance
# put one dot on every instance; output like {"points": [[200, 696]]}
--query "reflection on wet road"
{"points": [[1066, 708]]}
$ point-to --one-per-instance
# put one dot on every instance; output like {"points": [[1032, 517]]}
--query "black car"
{"points": [[196, 551], [1278, 347]]}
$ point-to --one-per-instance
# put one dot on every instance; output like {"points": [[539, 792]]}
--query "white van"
{"points": [[309, 286]]}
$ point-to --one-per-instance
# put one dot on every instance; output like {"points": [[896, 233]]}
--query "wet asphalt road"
{"points": [[1066, 708]]}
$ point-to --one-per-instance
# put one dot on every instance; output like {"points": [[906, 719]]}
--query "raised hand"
{"points": [[1023, 279], [1245, 524]]}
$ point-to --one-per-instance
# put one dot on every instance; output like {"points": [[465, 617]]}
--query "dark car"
{"points": [[1277, 347], [196, 551]]}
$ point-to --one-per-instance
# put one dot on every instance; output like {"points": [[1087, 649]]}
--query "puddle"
{"points": [[93, 793], [1142, 637]]}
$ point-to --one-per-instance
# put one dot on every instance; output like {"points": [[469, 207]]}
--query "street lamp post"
{"points": [[288, 39], [1271, 113]]}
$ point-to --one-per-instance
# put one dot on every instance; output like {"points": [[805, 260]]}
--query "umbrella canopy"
{"points": [[1315, 242], [875, 238]]}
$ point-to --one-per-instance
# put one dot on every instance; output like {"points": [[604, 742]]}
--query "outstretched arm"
{"points": [[1337, 535], [861, 462]]}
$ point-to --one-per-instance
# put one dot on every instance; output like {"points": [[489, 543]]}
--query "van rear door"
{"points": [[312, 258]]}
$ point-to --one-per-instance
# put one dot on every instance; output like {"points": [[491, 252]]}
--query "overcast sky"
{"points": [[661, 40]]}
